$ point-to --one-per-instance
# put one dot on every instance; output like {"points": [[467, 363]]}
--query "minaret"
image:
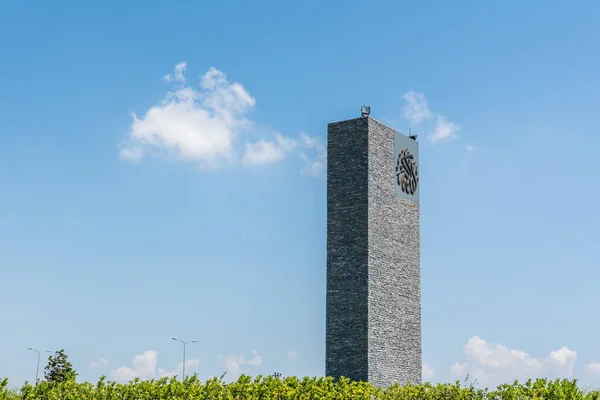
{"points": [[373, 306]]}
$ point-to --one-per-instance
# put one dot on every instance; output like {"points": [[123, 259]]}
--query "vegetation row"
{"points": [[60, 383], [288, 388]]}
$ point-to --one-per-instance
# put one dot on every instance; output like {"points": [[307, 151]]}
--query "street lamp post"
{"points": [[184, 343], [37, 369]]}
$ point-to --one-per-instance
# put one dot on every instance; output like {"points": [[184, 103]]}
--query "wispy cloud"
{"points": [[256, 360], [311, 150], [593, 368], [416, 109], [444, 130], [268, 151], [428, 372], [316, 164], [262, 152], [179, 73], [292, 355], [103, 362]]}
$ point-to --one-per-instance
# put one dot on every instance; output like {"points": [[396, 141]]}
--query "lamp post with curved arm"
{"points": [[184, 343], [37, 369]]}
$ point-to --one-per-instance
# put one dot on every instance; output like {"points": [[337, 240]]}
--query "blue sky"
{"points": [[161, 174]]}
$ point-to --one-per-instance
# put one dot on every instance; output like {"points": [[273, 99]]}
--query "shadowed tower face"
{"points": [[373, 306]]}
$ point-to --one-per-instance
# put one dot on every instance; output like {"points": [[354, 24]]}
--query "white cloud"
{"points": [[287, 144], [145, 364], [292, 355], [257, 360], [190, 365], [272, 151], [416, 109], [103, 362], [143, 367], [564, 359], [428, 372], [262, 152], [133, 154], [315, 165], [469, 148], [312, 167], [233, 363], [445, 130], [593, 368], [179, 74], [124, 374], [312, 143], [192, 125], [493, 364], [206, 126], [265, 152], [458, 369]]}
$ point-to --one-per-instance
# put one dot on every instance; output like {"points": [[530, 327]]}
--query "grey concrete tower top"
{"points": [[373, 305]]}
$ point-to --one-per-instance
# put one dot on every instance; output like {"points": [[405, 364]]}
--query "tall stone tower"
{"points": [[373, 306]]}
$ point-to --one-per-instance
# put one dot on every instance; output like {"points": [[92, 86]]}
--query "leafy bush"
{"points": [[59, 368], [289, 388]]}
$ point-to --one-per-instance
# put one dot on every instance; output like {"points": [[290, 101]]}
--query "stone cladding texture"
{"points": [[373, 306]]}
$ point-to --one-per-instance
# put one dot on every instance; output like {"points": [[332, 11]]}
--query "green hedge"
{"points": [[288, 388]]}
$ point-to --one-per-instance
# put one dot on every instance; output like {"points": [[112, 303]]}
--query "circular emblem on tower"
{"points": [[407, 172]]}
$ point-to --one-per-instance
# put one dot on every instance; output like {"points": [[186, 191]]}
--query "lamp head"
{"points": [[365, 111]]}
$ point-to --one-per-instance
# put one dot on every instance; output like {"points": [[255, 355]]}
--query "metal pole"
{"points": [[37, 369], [183, 361], [184, 343]]}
